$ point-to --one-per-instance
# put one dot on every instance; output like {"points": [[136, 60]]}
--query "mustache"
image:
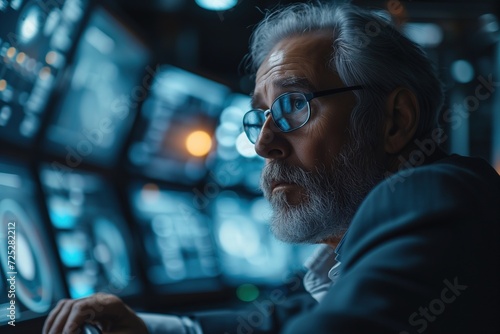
{"points": [[278, 171]]}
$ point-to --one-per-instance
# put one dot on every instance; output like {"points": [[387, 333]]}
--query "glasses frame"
{"points": [[308, 97]]}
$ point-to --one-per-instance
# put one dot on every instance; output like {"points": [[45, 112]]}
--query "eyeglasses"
{"points": [[290, 111]]}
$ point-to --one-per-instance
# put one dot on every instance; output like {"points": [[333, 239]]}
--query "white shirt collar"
{"points": [[323, 270]]}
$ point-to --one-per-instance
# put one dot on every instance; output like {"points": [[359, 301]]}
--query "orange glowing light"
{"points": [[21, 57], [3, 85], [11, 52], [199, 143], [398, 11]]}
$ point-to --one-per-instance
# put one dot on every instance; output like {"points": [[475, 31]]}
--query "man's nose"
{"points": [[271, 143]]}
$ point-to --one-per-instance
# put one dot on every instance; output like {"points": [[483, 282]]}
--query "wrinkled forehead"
{"points": [[301, 62], [312, 48]]}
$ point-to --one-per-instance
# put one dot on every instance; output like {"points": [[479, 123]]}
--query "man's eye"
{"points": [[299, 104]]}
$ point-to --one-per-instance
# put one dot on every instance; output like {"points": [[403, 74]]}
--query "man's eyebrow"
{"points": [[286, 83], [294, 82], [255, 100]]}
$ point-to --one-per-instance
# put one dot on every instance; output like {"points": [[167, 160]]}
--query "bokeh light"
{"points": [[51, 57], [217, 4], [462, 71], [21, 57], [198, 143], [247, 292]]}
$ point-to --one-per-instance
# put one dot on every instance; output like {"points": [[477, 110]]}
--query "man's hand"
{"points": [[106, 311]]}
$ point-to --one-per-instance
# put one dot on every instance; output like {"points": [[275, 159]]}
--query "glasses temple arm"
{"points": [[332, 91]]}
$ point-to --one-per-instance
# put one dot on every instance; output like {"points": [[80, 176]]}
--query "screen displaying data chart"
{"points": [[92, 237], [101, 94], [180, 254]]}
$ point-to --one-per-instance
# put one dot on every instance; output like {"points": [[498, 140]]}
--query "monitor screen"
{"points": [[180, 254], [103, 90], [30, 279], [92, 237], [175, 131], [35, 40]]}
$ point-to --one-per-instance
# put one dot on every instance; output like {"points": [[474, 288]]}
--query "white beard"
{"points": [[332, 194]]}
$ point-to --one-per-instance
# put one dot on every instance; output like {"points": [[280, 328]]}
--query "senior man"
{"points": [[344, 112]]}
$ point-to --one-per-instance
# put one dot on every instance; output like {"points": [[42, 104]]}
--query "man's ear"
{"points": [[401, 119]]}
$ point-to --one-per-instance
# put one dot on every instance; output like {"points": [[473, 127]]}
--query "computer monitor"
{"points": [[36, 38], [174, 136], [30, 277], [180, 255], [93, 239], [106, 83]]}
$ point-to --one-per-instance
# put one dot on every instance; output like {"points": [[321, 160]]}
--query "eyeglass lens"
{"points": [[290, 111]]}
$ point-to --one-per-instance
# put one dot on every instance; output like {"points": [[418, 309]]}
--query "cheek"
{"points": [[325, 138], [318, 147]]}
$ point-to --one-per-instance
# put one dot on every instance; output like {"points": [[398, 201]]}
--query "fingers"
{"points": [[81, 311], [108, 311], [60, 317], [100, 308], [70, 314], [53, 315]]}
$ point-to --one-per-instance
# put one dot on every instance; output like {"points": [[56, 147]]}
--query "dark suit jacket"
{"points": [[422, 255]]}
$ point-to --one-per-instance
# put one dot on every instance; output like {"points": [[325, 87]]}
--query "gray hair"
{"points": [[367, 50]]}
